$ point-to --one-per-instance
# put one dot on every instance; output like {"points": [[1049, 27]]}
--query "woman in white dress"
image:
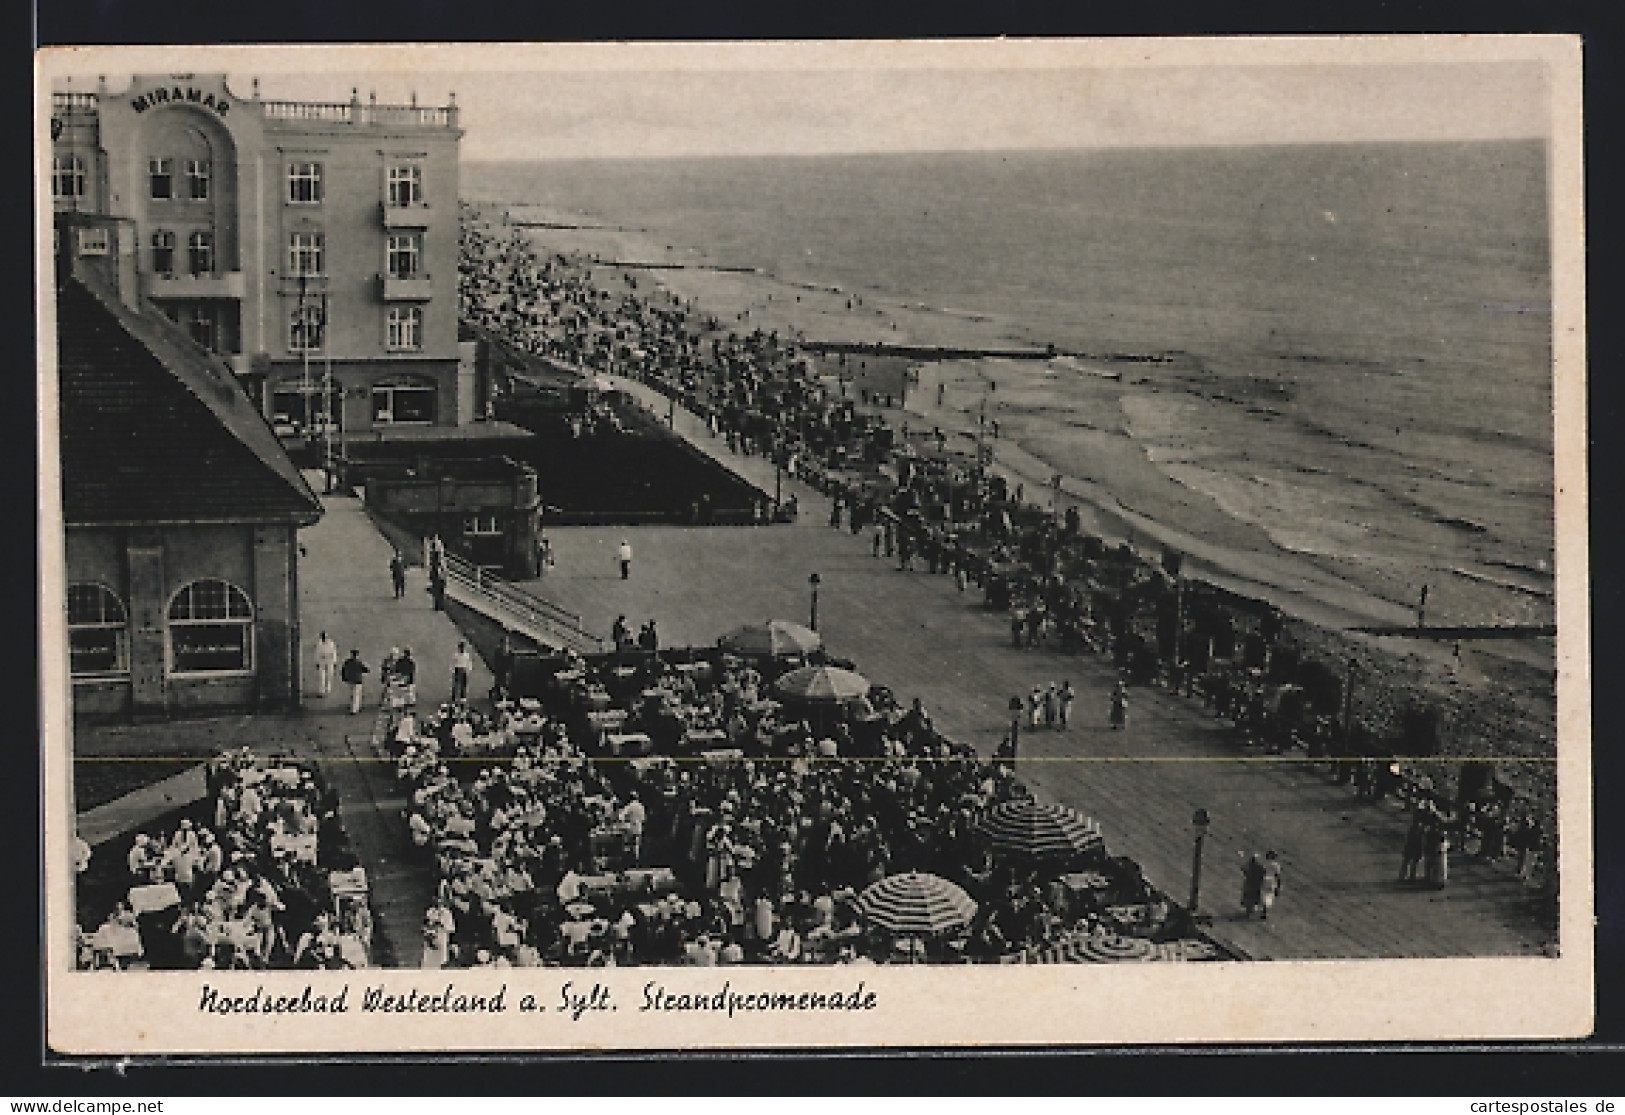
{"points": [[437, 927]]}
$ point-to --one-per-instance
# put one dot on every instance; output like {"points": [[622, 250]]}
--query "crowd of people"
{"points": [[724, 835], [262, 877], [940, 511]]}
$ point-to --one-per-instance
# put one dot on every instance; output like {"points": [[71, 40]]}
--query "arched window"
{"points": [[98, 631], [211, 629]]}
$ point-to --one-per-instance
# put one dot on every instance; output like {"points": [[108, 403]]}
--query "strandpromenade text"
{"points": [[575, 999]]}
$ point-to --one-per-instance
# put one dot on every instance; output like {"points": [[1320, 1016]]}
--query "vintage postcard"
{"points": [[813, 544]]}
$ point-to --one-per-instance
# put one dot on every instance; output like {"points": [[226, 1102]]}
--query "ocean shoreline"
{"points": [[1119, 487]]}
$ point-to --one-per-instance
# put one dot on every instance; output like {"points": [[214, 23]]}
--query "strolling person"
{"points": [[354, 674], [327, 662], [1119, 713], [437, 587], [1416, 836], [1270, 887], [397, 573], [1252, 885], [405, 674], [1436, 857], [462, 664], [623, 554], [1063, 704]]}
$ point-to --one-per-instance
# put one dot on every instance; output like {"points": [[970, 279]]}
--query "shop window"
{"points": [[211, 629], [305, 183], [307, 254], [197, 179], [306, 329], [405, 185], [298, 407], [98, 631], [163, 252], [405, 255], [405, 328], [161, 179], [394, 404], [200, 253], [67, 176]]}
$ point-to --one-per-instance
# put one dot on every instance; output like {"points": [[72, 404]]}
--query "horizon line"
{"points": [[1071, 150]]}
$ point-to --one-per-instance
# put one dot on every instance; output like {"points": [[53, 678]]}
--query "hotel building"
{"points": [[312, 246]]}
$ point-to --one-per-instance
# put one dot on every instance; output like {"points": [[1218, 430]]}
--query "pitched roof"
{"points": [[154, 429]]}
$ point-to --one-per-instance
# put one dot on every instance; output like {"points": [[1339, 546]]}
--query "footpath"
{"points": [[917, 634]]}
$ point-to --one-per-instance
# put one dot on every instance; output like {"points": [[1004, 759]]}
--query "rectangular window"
{"points": [[197, 179], [307, 253], [405, 185], [93, 242], [161, 178], [163, 252], [402, 404], [211, 647], [67, 176], [200, 253], [405, 330], [305, 329], [405, 255], [305, 183], [97, 650], [482, 526]]}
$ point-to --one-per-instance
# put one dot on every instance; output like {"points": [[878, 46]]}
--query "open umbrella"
{"points": [[773, 639], [918, 904], [1096, 948], [822, 683], [1033, 830], [1186, 948]]}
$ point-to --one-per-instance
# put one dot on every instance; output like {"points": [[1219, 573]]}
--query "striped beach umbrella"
{"points": [[773, 639], [822, 683], [917, 904], [1034, 830], [1186, 949], [1096, 948]]}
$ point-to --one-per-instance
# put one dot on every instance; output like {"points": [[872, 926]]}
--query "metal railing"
{"points": [[540, 619], [354, 112]]}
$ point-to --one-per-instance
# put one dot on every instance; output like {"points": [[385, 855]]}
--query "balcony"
{"points": [[405, 216], [416, 289], [225, 284]]}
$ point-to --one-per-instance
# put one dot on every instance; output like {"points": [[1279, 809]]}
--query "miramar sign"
{"points": [[184, 95]]}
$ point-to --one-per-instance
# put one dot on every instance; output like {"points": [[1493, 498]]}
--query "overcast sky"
{"points": [[618, 101]]}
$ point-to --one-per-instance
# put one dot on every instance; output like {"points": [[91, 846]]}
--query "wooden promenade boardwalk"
{"points": [[917, 634]]}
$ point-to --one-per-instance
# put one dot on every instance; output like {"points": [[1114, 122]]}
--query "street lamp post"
{"points": [[1199, 823], [814, 581]]}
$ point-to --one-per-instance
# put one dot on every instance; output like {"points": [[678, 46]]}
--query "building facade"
{"points": [[312, 246], [180, 507]]}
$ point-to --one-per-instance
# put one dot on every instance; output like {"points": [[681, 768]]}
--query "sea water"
{"points": [[1361, 334]]}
